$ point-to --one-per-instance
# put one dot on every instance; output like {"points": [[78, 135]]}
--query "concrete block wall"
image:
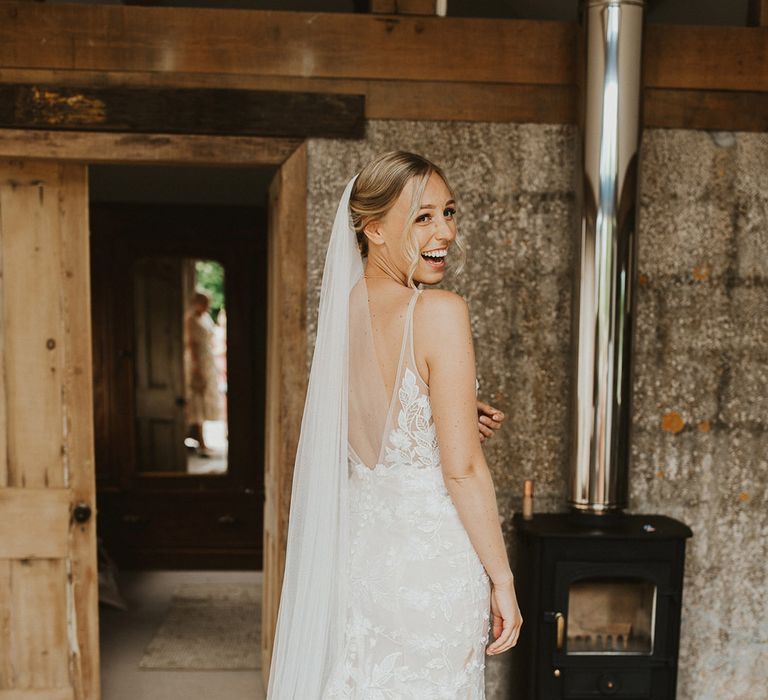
{"points": [[700, 445]]}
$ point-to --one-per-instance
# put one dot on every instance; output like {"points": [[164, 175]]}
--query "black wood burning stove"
{"points": [[601, 598]]}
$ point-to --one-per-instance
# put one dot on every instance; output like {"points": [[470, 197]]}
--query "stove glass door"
{"points": [[611, 616]]}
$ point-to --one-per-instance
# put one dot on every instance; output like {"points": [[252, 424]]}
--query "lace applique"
{"points": [[413, 441]]}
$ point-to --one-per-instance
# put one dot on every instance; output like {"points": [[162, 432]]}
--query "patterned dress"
{"points": [[419, 612]]}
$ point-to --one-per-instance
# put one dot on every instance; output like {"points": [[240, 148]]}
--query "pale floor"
{"points": [[125, 634]]}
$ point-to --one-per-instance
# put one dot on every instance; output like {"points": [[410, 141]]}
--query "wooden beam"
{"points": [[182, 110], [490, 102], [385, 99], [706, 58], [700, 109], [359, 46], [90, 147], [289, 44]]}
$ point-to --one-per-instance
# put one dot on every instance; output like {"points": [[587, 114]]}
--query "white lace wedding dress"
{"points": [[419, 613]]}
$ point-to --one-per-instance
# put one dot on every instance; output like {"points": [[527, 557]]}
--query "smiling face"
{"points": [[425, 235]]}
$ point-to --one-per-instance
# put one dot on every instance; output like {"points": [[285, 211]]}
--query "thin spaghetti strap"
{"points": [[406, 345], [407, 339], [411, 304], [411, 351]]}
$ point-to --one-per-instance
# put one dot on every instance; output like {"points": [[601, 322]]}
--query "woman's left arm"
{"points": [[446, 341]]}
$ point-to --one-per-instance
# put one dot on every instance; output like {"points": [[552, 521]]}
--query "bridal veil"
{"points": [[313, 601]]}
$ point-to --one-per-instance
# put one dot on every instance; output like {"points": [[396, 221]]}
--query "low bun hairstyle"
{"points": [[376, 189]]}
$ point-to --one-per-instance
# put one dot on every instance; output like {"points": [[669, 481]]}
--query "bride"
{"points": [[396, 569]]}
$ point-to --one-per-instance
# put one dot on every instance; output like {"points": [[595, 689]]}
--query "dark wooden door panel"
{"points": [[159, 370]]}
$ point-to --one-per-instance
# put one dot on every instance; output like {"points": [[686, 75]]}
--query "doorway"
{"points": [[51, 577], [179, 316]]}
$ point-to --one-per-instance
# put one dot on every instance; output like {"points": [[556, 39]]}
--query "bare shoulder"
{"points": [[442, 320], [438, 306]]}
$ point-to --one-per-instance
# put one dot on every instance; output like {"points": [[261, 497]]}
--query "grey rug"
{"points": [[209, 626]]}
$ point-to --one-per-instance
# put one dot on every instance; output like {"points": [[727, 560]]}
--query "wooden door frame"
{"points": [[286, 294]]}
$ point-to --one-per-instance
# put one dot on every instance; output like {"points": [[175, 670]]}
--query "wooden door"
{"points": [[48, 577], [158, 322]]}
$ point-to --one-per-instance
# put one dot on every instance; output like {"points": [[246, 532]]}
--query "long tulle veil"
{"points": [[311, 616]]}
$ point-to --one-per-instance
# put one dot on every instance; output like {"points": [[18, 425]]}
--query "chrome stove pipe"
{"points": [[604, 293]]}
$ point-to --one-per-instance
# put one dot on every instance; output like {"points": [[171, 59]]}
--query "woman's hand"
{"points": [[505, 617], [489, 419]]}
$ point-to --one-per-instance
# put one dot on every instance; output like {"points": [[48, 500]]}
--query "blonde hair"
{"points": [[376, 190]]}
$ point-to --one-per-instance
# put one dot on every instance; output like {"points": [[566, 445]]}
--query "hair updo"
{"points": [[377, 188]]}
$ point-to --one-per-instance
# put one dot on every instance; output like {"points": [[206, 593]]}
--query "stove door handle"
{"points": [[559, 630]]}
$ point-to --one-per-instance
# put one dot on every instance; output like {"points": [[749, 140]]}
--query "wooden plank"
{"points": [[77, 393], [34, 523], [301, 44], [706, 58], [171, 79], [37, 694], [700, 109], [174, 110], [485, 102], [388, 99], [39, 648], [144, 148], [359, 46], [384, 99], [491, 102], [286, 373], [32, 358]]}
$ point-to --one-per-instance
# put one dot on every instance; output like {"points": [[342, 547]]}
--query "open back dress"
{"points": [[418, 617]]}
